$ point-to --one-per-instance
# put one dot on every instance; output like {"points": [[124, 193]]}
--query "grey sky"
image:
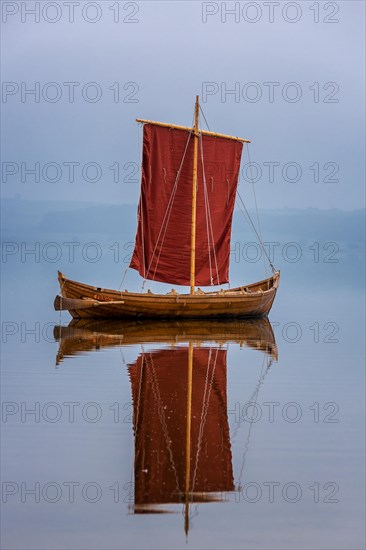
{"points": [[166, 56]]}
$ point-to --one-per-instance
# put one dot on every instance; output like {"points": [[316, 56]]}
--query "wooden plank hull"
{"points": [[86, 301]]}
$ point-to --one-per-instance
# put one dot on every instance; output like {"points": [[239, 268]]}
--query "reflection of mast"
{"points": [[188, 435]]}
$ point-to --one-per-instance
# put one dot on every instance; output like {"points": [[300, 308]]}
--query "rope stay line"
{"points": [[207, 214], [205, 405], [203, 114], [253, 399], [168, 210], [165, 222], [255, 202], [209, 221], [161, 413], [255, 231]]}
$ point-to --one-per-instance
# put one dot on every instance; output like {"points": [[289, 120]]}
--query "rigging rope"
{"points": [[209, 221], [161, 414], [204, 410], [255, 202], [123, 278], [168, 212], [253, 399], [207, 208], [165, 220], [136, 419], [203, 114], [207, 229], [255, 231]]}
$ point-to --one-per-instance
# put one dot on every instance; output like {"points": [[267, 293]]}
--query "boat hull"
{"points": [[86, 301]]}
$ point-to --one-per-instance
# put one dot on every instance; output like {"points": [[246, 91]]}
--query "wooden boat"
{"points": [[188, 190]]}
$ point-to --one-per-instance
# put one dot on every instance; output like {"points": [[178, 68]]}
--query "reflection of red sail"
{"points": [[159, 391]]}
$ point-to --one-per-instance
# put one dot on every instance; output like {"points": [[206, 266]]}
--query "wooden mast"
{"points": [[190, 353], [194, 195], [188, 435]]}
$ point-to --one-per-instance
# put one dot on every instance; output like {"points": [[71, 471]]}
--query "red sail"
{"points": [[162, 248], [159, 391]]}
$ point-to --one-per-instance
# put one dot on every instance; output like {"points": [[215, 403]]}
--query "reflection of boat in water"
{"points": [[161, 392], [87, 335], [180, 411]]}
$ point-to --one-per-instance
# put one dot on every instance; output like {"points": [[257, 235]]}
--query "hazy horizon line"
{"points": [[134, 204]]}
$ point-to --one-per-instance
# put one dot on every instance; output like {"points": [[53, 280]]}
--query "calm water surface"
{"points": [[277, 421]]}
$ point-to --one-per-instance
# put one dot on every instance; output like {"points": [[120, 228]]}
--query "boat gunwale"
{"points": [[234, 293]]}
